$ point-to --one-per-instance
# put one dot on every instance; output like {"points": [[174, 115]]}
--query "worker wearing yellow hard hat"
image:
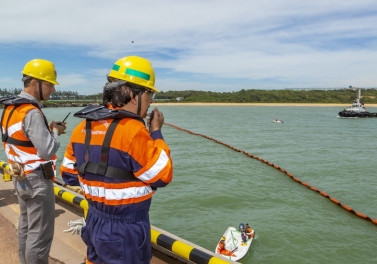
{"points": [[119, 162], [31, 151]]}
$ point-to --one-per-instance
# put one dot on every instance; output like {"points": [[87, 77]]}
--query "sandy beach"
{"points": [[257, 104]]}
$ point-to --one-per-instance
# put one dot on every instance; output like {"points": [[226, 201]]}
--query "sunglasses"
{"points": [[150, 93], [49, 85]]}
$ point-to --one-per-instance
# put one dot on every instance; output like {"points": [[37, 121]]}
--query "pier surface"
{"points": [[66, 248]]}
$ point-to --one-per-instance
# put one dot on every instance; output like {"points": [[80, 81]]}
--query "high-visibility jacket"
{"points": [[142, 161], [222, 250], [17, 146]]}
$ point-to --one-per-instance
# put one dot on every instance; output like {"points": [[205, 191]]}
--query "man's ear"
{"points": [[133, 98], [33, 82], [31, 86]]}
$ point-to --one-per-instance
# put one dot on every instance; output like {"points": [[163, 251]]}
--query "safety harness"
{"points": [[95, 113], [16, 101]]}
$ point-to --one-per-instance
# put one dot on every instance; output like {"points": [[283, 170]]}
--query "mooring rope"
{"points": [[290, 175]]}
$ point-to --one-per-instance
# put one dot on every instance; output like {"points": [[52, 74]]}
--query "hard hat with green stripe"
{"points": [[134, 69]]}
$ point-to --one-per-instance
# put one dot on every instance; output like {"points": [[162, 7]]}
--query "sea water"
{"points": [[215, 187]]}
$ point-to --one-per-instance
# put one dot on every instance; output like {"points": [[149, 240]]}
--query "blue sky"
{"points": [[208, 45]]}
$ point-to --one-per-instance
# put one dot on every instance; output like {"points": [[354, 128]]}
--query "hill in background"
{"points": [[340, 96]]}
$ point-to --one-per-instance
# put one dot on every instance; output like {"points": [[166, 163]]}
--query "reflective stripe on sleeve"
{"points": [[68, 163], [160, 164]]}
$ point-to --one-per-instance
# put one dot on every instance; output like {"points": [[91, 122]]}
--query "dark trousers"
{"points": [[113, 239]]}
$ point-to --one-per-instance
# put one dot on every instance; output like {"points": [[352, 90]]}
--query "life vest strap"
{"points": [[102, 167], [16, 101], [111, 172], [13, 141], [9, 140]]}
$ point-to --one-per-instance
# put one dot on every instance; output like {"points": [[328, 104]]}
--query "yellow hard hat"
{"points": [[134, 69], [41, 69]]}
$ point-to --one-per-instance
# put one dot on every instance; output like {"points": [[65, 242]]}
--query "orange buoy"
{"points": [[334, 200], [361, 215], [314, 188], [347, 207], [324, 194]]}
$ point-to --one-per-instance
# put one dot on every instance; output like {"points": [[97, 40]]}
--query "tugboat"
{"points": [[356, 110]]}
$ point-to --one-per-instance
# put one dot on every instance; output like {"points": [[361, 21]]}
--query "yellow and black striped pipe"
{"points": [[5, 167], [184, 249], [71, 198], [181, 248], [161, 238]]}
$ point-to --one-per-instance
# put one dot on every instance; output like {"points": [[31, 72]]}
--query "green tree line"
{"points": [[272, 96], [369, 96]]}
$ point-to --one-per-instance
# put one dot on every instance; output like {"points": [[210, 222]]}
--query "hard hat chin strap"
{"points": [[40, 90], [139, 103]]}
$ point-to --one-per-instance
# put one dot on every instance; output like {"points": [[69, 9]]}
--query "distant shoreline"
{"points": [[258, 104]]}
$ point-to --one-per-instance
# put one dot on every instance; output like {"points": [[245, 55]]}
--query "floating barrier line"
{"points": [[290, 175]]}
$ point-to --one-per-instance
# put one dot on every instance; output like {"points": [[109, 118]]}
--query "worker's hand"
{"points": [[16, 171], [58, 127], [75, 226], [74, 188], [157, 121]]}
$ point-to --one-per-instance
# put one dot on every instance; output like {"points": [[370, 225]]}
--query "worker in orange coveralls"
{"points": [[119, 163]]}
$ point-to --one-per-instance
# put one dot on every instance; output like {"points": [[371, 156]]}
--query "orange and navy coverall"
{"points": [[117, 225]]}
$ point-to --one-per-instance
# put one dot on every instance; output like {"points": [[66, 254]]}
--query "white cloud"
{"points": [[218, 44]]}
